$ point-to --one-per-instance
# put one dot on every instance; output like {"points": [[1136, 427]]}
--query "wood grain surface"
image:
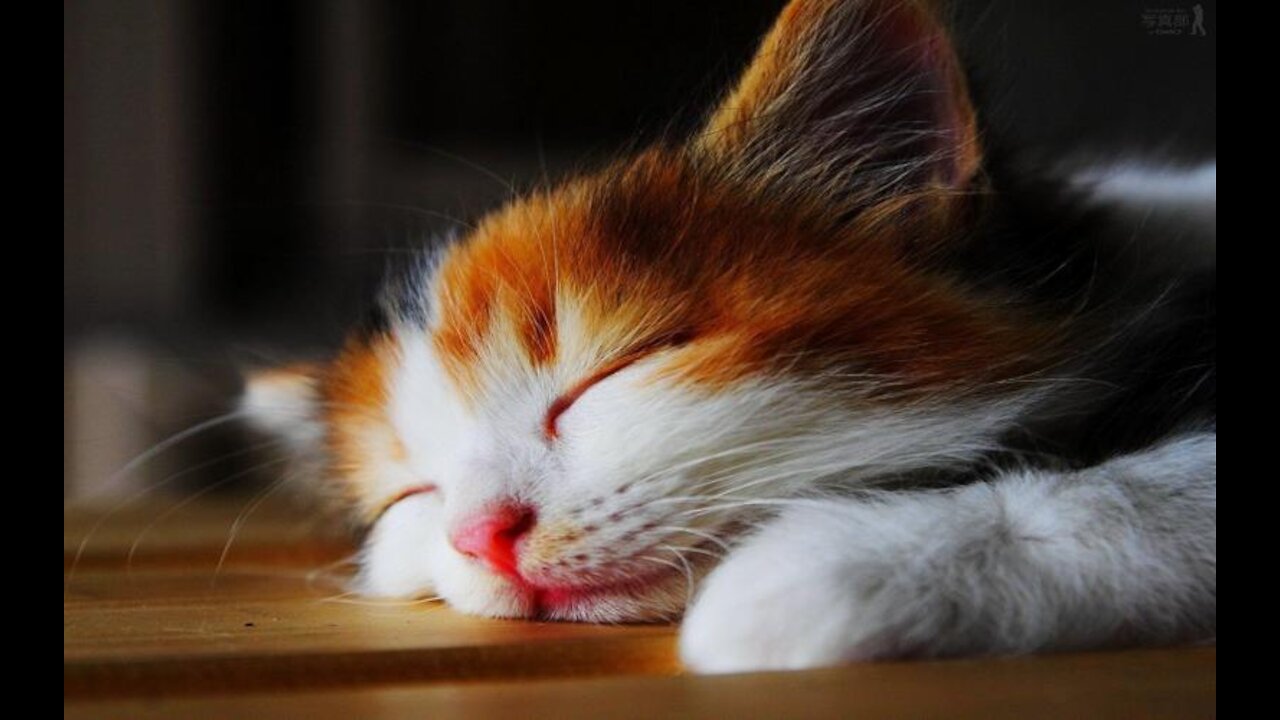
{"points": [[165, 619]]}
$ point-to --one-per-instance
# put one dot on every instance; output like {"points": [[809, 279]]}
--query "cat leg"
{"points": [[1120, 553]]}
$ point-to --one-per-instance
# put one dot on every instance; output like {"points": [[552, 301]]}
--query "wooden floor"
{"points": [[163, 619]]}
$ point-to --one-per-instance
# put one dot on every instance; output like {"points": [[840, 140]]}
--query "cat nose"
{"points": [[490, 536]]}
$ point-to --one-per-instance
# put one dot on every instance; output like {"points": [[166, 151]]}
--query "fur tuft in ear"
{"points": [[855, 99], [285, 402]]}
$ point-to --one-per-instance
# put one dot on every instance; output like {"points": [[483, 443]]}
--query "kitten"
{"points": [[823, 379]]}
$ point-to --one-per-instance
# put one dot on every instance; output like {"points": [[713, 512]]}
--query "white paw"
{"points": [[392, 562], [784, 601]]}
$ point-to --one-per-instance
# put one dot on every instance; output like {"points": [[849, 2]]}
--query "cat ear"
{"points": [[285, 402], [856, 98]]}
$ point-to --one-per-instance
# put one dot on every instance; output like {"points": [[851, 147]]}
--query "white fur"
{"points": [[1125, 551], [283, 404], [653, 480], [652, 476], [1176, 208], [1147, 185], [658, 480], [391, 560]]}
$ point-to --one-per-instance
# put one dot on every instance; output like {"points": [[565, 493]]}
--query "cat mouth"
{"points": [[560, 602], [649, 596]]}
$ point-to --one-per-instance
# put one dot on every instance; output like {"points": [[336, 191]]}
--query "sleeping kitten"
{"points": [[822, 379]]}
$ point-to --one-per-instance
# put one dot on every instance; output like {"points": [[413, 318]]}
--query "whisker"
{"points": [[705, 535], [135, 463], [688, 573], [506, 184], [240, 520], [349, 598], [137, 541], [326, 569]]}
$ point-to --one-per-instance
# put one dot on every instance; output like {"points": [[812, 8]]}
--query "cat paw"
{"points": [[744, 621], [779, 603]]}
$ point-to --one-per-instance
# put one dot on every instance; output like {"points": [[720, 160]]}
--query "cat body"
{"points": [[823, 379]]}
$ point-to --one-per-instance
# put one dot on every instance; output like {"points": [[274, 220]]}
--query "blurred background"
{"points": [[237, 173]]}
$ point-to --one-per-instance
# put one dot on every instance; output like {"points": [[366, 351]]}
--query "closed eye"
{"points": [[550, 422], [402, 495]]}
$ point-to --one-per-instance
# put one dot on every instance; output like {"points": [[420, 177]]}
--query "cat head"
{"points": [[572, 411]]}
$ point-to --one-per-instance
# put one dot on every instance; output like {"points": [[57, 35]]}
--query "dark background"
{"points": [[236, 173]]}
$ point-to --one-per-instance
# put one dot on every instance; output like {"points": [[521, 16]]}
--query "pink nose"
{"points": [[491, 536]]}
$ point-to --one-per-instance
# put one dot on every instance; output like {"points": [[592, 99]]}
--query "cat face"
{"points": [[571, 412]]}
